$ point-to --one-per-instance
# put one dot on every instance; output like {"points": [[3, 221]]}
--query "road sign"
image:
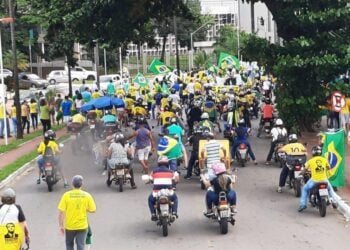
{"points": [[338, 101]]}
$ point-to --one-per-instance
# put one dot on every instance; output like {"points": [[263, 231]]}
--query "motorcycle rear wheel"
{"points": [[322, 207], [164, 223], [121, 185], [297, 188], [223, 226], [49, 182]]}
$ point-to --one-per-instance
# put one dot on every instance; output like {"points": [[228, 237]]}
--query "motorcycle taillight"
{"points": [[223, 202], [163, 200], [297, 167], [242, 146], [322, 186], [48, 164]]}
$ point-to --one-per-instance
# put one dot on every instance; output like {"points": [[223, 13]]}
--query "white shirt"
{"points": [[175, 98], [190, 88], [11, 214], [275, 132], [266, 85]]}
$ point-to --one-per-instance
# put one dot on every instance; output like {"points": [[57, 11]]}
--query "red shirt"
{"points": [[267, 111]]}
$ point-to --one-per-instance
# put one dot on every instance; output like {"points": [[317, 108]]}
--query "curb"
{"points": [[343, 207], [20, 171]]}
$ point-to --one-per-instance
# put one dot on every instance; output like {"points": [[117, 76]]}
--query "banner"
{"points": [[228, 61], [157, 67], [334, 151], [141, 80]]}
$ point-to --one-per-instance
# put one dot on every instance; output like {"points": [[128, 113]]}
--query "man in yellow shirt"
{"points": [[292, 149], [318, 167], [96, 94], [78, 118], [3, 119], [345, 116], [73, 208], [166, 116]]}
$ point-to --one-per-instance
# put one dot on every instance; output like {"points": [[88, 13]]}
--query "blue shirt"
{"points": [[241, 133], [86, 96], [109, 118], [66, 107]]}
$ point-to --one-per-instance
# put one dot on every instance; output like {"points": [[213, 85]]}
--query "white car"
{"points": [[6, 73], [61, 76], [105, 79], [81, 73]]}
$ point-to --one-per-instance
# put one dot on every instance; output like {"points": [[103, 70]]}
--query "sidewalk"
{"points": [[25, 148]]}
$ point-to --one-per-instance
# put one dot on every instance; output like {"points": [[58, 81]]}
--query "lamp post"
{"points": [[238, 28], [194, 32]]}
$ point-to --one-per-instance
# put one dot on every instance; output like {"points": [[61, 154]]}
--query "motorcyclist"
{"points": [[279, 134], [267, 110], [292, 149], [139, 109], [175, 129], [210, 109], [193, 115], [318, 167], [174, 98], [165, 117], [242, 133], [109, 118], [220, 181], [119, 153], [205, 122], [170, 147], [49, 141], [163, 178], [211, 151]]}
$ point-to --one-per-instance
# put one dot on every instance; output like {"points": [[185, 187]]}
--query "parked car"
{"points": [[105, 79], [6, 73], [60, 76], [81, 73], [30, 80]]}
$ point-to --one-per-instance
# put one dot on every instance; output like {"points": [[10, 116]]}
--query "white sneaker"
{"points": [[104, 172]]}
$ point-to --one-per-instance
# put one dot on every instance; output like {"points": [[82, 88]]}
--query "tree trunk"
{"points": [[162, 57]]}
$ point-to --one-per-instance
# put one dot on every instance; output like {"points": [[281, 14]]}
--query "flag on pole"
{"points": [[157, 67], [213, 68], [334, 151], [228, 61], [141, 80]]}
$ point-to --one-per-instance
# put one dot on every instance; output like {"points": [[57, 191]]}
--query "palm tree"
{"points": [[201, 59], [22, 60]]}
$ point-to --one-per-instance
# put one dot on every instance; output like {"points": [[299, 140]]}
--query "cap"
{"points": [[9, 193], [77, 181]]}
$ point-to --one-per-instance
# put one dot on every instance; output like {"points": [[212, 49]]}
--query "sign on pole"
{"points": [[338, 101]]}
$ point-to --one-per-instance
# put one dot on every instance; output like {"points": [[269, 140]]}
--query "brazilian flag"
{"points": [[334, 151], [228, 61], [158, 67]]}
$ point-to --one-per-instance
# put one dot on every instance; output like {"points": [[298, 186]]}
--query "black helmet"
{"points": [[316, 151], [50, 135], [119, 137], [292, 138], [267, 100], [173, 91]]}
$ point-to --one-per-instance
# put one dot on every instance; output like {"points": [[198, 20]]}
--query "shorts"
{"points": [[143, 153]]}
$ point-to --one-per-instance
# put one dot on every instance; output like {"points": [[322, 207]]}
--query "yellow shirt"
{"points": [[129, 103], [346, 108], [164, 102], [132, 90], [318, 167], [197, 87], [53, 145], [24, 110], [75, 204], [166, 116], [78, 118], [14, 241], [33, 108], [13, 112], [95, 95], [119, 92], [2, 114], [294, 149], [139, 111]]}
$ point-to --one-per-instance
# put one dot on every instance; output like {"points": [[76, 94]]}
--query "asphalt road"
{"points": [[265, 220]]}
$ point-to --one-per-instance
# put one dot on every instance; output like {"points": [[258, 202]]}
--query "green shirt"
{"points": [[45, 112]]}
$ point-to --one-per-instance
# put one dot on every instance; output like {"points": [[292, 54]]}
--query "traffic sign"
{"points": [[338, 101]]}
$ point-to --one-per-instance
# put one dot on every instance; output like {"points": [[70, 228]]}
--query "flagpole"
{"points": [[3, 89]]}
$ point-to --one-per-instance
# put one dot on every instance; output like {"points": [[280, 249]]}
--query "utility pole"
{"points": [[15, 74], [176, 48]]}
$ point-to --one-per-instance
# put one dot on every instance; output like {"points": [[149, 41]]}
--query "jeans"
{"points": [[46, 124], [25, 122], [14, 122], [306, 190], [191, 162], [40, 162], [173, 165], [283, 176], [152, 201], [272, 149], [34, 118], [236, 144], [212, 197], [79, 236], [2, 126]]}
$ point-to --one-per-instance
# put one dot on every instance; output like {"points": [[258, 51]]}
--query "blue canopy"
{"points": [[104, 102]]}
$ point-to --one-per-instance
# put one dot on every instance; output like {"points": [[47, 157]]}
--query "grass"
{"points": [[17, 142], [17, 164]]}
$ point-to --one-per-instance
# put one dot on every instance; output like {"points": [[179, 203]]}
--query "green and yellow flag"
{"points": [[334, 151], [141, 80], [213, 68], [157, 67], [228, 61]]}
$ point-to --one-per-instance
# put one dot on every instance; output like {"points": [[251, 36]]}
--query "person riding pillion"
{"points": [[279, 134]]}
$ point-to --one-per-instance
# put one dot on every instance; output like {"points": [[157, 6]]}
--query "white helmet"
{"points": [[205, 116], [279, 122]]}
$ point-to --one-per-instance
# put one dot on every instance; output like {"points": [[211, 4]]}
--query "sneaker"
{"points": [[334, 203], [38, 181], [268, 163], [255, 163], [209, 213], [187, 177], [133, 186], [104, 172], [279, 190], [175, 215], [154, 217], [301, 208]]}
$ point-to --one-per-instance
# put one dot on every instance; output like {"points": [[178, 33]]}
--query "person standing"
{"points": [[14, 119], [59, 115], [66, 107], [25, 116], [3, 119], [73, 208], [45, 115], [33, 108]]}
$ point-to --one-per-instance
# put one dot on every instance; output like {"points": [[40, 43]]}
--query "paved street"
{"points": [[265, 219]]}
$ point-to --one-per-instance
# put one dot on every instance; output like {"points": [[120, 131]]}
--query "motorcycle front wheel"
{"points": [[223, 225]]}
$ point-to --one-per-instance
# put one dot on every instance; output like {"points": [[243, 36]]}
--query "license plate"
{"points": [[120, 171], [92, 126], [164, 208], [224, 213], [323, 192], [48, 168], [296, 174]]}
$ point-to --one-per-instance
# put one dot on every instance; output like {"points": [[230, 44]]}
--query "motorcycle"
{"points": [[279, 156], [92, 123], [242, 154], [228, 134], [222, 213], [164, 210], [50, 169], [319, 198], [296, 166], [109, 129], [266, 126], [120, 174]]}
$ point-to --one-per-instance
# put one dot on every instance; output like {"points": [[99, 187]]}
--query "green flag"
{"points": [[141, 80], [228, 61], [157, 67], [334, 151], [213, 68]]}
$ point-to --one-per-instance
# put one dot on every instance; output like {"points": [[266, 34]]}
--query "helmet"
{"points": [[119, 137], [292, 138], [316, 151], [219, 168], [108, 112], [205, 116], [8, 196], [241, 122], [50, 135], [173, 91], [173, 120], [197, 103], [279, 122], [267, 100], [163, 159]]}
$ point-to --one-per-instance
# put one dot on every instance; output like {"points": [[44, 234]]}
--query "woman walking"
{"points": [[45, 115], [33, 107], [25, 116]]}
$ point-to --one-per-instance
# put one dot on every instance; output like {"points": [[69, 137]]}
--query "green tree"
{"points": [[22, 60], [201, 60]]}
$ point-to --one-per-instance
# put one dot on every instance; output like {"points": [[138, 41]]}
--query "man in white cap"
{"points": [[73, 209]]}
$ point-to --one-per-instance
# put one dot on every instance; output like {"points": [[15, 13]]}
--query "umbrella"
{"points": [[88, 106], [105, 102]]}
